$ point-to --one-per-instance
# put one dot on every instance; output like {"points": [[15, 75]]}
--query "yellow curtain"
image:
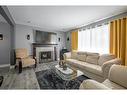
{"points": [[118, 39], [74, 40]]}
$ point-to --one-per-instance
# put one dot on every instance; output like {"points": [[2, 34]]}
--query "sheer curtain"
{"points": [[84, 40], [94, 39]]}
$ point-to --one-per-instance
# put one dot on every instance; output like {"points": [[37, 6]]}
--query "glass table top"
{"points": [[68, 74]]}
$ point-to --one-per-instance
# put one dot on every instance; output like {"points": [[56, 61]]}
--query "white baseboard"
{"points": [[4, 65]]}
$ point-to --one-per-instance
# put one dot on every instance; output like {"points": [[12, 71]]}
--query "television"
{"points": [[45, 37]]}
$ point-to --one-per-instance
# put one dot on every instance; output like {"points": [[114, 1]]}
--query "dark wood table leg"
{"points": [[1, 80], [35, 65], [20, 66], [35, 61]]}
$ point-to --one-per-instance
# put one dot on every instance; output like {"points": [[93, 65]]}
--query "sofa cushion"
{"points": [[92, 59], [75, 62], [81, 56], [72, 61], [105, 57], [96, 69], [27, 61], [118, 74], [112, 85], [92, 54], [74, 55], [92, 84]]}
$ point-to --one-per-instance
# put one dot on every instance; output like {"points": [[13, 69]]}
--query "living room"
{"points": [[52, 47]]}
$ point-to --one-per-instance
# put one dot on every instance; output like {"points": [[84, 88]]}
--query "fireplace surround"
{"points": [[45, 52]]}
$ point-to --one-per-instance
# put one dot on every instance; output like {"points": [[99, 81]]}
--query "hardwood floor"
{"points": [[25, 80]]}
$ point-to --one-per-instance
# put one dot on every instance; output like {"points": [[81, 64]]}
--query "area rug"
{"points": [[48, 79]]}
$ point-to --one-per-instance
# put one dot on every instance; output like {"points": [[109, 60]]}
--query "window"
{"points": [[94, 39]]}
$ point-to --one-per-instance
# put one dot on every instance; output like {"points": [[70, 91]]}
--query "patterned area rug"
{"points": [[48, 79]]}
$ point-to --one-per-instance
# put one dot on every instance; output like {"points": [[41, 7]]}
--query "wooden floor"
{"points": [[25, 80]]}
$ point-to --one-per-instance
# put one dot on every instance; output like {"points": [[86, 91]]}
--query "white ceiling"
{"points": [[61, 18]]}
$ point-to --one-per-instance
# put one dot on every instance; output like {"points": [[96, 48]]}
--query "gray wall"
{"points": [[5, 44], [21, 42], [7, 16], [68, 43], [62, 42], [20, 37]]}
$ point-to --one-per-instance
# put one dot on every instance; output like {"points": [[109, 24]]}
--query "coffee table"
{"points": [[68, 74]]}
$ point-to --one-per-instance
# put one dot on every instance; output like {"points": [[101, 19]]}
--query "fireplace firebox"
{"points": [[45, 56]]}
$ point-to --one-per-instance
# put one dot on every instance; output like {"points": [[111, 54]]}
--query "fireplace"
{"points": [[45, 52], [45, 56]]}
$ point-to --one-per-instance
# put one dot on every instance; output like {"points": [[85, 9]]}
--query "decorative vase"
{"points": [[64, 66], [60, 64]]}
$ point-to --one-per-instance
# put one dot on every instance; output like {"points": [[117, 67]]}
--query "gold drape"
{"points": [[118, 39], [74, 40]]}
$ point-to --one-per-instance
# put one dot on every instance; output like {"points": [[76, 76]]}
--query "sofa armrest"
{"points": [[106, 66], [67, 55], [92, 84]]}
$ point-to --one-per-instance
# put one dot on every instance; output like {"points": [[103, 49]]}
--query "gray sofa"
{"points": [[93, 65]]}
